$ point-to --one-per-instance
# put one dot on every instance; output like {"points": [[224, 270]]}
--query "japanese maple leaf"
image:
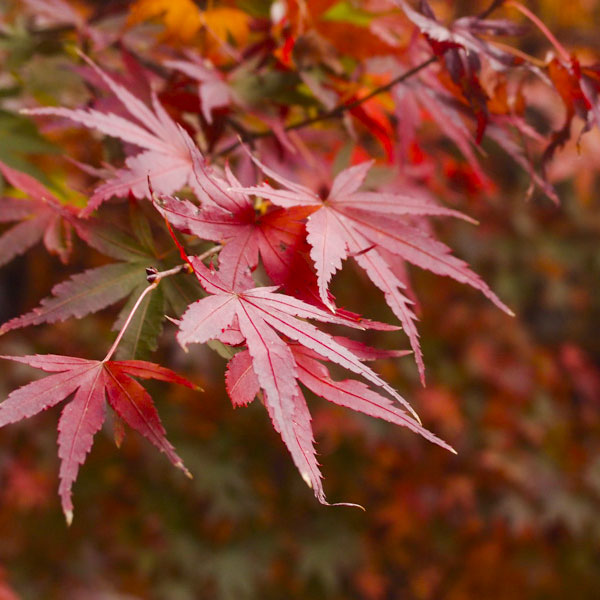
{"points": [[91, 382], [259, 317], [371, 226], [40, 217], [448, 113], [278, 237], [165, 157], [464, 34], [293, 421], [95, 288], [416, 95], [579, 89], [213, 89], [61, 12], [230, 218], [461, 47]]}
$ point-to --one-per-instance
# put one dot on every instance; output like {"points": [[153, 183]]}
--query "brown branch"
{"points": [[490, 9], [334, 112]]}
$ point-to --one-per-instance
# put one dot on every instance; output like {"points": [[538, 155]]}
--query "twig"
{"points": [[334, 112], [490, 9], [154, 277]]}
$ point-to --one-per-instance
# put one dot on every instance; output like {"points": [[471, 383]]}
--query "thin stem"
{"points": [[334, 112], [154, 278], [538, 23], [210, 252], [151, 287], [516, 52]]}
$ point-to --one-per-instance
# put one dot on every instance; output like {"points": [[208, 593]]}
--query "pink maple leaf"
{"points": [[164, 159], [213, 89], [260, 317], [91, 382], [40, 216], [370, 226]]}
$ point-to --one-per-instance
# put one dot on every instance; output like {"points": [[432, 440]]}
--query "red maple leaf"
{"points": [[259, 318], [91, 382], [230, 218], [277, 236], [379, 230], [40, 216], [293, 422]]}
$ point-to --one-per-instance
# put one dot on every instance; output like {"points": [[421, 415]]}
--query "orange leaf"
{"points": [[182, 18], [224, 23]]}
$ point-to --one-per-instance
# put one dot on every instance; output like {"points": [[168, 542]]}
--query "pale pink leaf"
{"points": [[39, 395], [324, 344], [328, 247], [293, 422], [398, 204], [349, 180], [51, 362], [79, 422], [357, 396], [109, 124], [240, 379], [206, 318], [272, 359]]}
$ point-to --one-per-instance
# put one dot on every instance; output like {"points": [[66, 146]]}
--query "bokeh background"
{"points": [[515, 515]]}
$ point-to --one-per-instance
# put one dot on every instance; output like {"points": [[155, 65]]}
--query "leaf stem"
{"points": [[151, 287], [154, 278], [334, 112], [564, 55]]}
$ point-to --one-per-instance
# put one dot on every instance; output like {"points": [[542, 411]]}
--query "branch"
{"points": [[490, 9], [334, 112]]}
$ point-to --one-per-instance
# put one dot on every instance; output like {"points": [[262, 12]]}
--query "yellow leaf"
{"points": [[182, 18]]}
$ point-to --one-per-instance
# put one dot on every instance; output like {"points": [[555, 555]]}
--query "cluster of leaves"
{"points": [[513, 515], [273, 76]]}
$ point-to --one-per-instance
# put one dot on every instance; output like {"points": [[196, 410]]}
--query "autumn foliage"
{"points": [[267, 197]]}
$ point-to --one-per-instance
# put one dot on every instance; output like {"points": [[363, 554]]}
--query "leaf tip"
{"points": [[185, 470], [69, 517], [350, 504], [307, 480]]}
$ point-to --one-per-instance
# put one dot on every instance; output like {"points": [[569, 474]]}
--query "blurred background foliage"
{"points": [[514, 515]]}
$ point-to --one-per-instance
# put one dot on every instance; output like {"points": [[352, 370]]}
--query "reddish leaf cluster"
{"points": [[178, 116]]}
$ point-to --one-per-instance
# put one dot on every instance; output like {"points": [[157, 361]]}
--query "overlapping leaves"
{"points": [[379, 231], [299, 238]]}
